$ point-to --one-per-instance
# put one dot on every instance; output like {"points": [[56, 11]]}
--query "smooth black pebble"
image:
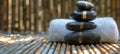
{"points": [[84, 16], [86, 37], [84, 5], [80, 26]]}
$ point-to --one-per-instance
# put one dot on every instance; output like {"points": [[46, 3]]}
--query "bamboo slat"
{"points": [[28, 15], [68, 51], [5, 15], [16, 15], [1, 7], [79, 50], [74, 50], [9, 15], [118, 12], [21, 16]]}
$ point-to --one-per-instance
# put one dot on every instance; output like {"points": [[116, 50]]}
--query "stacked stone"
{"points": [[83, 24], [83, 15]]}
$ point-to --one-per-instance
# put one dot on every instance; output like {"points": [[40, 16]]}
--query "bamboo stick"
{"points": [[95, 49], [9, 15], [74, 50], [21, 16], [90, 49], [52, 48], [107, 49], [103, 51], [79, 50], [85, 51], [68, 49], [5, 15], [57, 50], [63, 47], [46, 49]]}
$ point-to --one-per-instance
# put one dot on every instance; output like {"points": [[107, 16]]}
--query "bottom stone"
{"points": [[82, 37]]}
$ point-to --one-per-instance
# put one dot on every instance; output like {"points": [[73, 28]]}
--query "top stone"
{"points": [[84, 5]]}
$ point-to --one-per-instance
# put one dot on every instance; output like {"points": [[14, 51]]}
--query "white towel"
{"points": [[106, 28]]}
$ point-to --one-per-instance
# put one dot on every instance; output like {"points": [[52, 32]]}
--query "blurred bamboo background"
{"points": [[35, 15]]}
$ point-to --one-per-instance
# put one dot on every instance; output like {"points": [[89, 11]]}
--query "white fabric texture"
{"points": [[106, 28]]}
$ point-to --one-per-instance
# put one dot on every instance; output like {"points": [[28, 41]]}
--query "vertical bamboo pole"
{"points": [[40, 13], [9, 15], [108, 8], [13, 15], [52, 9], [100, 11], [16, 15], [118, 12], [47, 14], [69, 8], [96, 7], [6, 15], [113, 8], [63, 10], [24, 14], [36, 15], [21, 16], [44, 14], [59, 9], [32, 15], [66, 9], [1, 14], [103, 8], [28, 15]]}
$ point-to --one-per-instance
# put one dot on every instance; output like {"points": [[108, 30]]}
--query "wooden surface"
{"points": [[39, 44]]}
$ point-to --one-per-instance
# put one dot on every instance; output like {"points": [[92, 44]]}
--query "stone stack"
{"points": [[82, 16]]}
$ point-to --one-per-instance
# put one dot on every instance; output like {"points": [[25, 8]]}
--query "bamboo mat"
{"points": [[39, 44]]}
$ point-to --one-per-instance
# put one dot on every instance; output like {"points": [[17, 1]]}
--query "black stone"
{"points": [[90, 37], [80, 26], [73, 38], [84, 5], [86, 37], [79, 15]]}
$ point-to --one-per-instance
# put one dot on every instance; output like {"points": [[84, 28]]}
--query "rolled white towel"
{"points": [[106, 28]]}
